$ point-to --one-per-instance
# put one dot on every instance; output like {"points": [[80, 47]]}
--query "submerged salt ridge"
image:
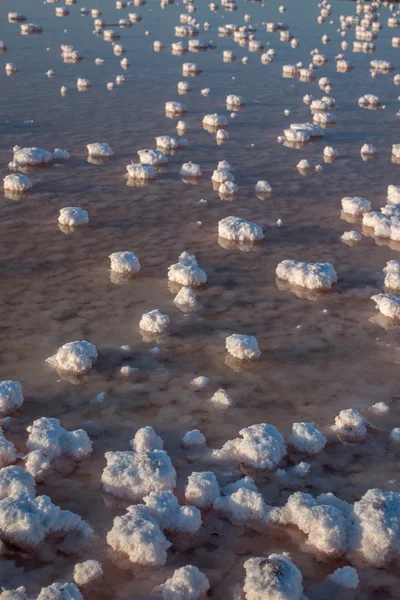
{"points": [[187, 497]]}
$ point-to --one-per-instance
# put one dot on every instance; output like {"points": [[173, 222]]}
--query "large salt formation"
{"points": [[27, 520], [261, 446], [134, 474], [272, 578], [74, 357], [48, 443], [313, 276]]}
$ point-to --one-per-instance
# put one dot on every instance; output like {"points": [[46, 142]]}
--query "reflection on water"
{"points": [[321, 353]]}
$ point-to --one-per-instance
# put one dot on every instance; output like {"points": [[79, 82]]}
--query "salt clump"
{"points": [[222, 175], [76, 357], [8, 453], [313, 276], [125, 263], [263, 187], [186, 297], [193, 438], [234, 101], [388, 305], [202, 489], [17, 183], [392, 274], [262, 446], [306, 438], [176, 108], [243, 347], [60, 591], [139, 536], [242, 505], [186, 272], [221, 399], [100, 149], [29, 157], [72, 216], [87, 572], [11, 397], [228, 188], [355, 206], [215, 120], [164, 508], [83, 84], [272, 578], [346, 577], [132, 475], [369, 100], [186, 583], [351, 236], [154, 322], [239, 230], [146, 440], [368, 150], [26, 520], [141, 171], [171, 143], [48, 441], [190, 170], [350, 425], [156, 158]]}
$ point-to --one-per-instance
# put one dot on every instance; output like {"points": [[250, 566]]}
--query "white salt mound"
{"points": [[202, 489], [100, 150], [190, 170], [186, 297], [8, 453], [76, 357], [156, 158], [87, 572], [125, 263], [239, 230], [29, 157], [313, 276], [242, 347], [221, 399], [73, 216], [350, 425], [132, 475], [272, 578], [146, 440], [388, 305], [154, 322], [187, 583], [306, 438], [215, 120], [11, 396], [17, 183], [346, 577], [263, 187], [351, 236], [186, 272], [392, 274], [242, 505], [141, 171], [261, 446], [355, 206], [193, 438], [48, 441]]}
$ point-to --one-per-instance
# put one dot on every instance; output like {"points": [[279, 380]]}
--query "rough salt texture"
{"points": [[202, 489], [73, 216], [193, 438], [242, 505], [313, 276], [17, 183], [190, 170], [243, 347], [239, 230], [29, 157], [186, 272], [175, 107], [261, 446], [306, 438], [141, 171], [87, 572], [187, 583], [393, 194], [392, 274], [133, 475], [272, 578], [350, 425], [351, 236], [215, 120], [125, 263], [355, 206], [346, 577], [164, 508], [263, 187], [388, 305], [48, 441], [8, 453], [186, 297], [139, 536], [26, 520], [228, 188], [221, 399], [60, 591], [170, 143], [100, 149], [146, 440], [75, 357], [11, 397], [154, 322], [156, 158]]}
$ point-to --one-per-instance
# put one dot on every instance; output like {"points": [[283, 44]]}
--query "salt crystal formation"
{"points": [[87, 572], [313, 276], [186, 583], [17, 183], [275, 578], [186, 271], [242, 347], [74, 357], [72, 216], [11, 397], [239, 230], [261, 447], [125, 263]]}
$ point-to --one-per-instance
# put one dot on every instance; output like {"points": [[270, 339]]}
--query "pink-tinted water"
{"points": [[319, 354]]}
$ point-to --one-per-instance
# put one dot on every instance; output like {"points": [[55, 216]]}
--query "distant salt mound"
{"points": [[306, 438], [239, 230], [73, 216], [154, 322], [124, 263], [275, 578], [87, 572], [100, 149], [392, 274], [75, 357], [350, 426], [48, 441], [186, 583], [243, 347], [313, 276]]}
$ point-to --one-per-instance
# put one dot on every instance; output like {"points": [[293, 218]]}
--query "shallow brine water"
{"points": [[320, 352]]}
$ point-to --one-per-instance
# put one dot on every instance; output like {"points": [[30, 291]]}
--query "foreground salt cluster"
{"points": [[75, 357]]}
